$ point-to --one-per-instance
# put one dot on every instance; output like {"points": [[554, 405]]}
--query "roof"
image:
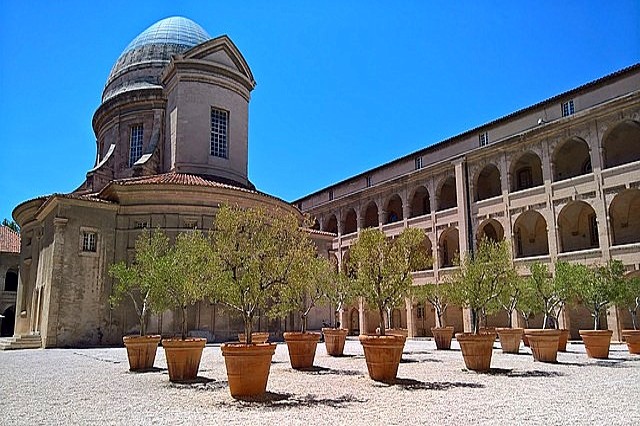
{"points": [[173, 178], [9, 240], [438, 145]]}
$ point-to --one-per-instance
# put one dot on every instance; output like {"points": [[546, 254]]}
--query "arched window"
{"points": [[526, 172], [488, 183], [371, 215], [530, 232], [448, 197], [394, 209], [331, 225], [578, 227], [420, 203], [350, 222], [11, 281], [625, 219], [570, 159], [622, 144]]}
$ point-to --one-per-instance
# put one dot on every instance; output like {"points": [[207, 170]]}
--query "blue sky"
{"points": [[342, 86]]}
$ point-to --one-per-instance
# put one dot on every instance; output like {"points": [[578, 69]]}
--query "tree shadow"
{"points": [[148, 370], [411, 384], [288, 401], [508, 372], [321, 371], [197, 382]]}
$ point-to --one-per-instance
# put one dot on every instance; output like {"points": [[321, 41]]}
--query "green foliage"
{"points": [[629, 298], [254, 256], [383, 267], [10, 224], [437, 295], [598, 287], [528, 303], [139, 279], [342, 292], [481, 279], [509, 298]]}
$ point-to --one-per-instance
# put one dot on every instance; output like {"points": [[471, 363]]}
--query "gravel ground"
{"points": [[94, 386]]}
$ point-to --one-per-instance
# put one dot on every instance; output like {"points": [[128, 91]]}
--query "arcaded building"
{"points": [[560, 180], [9, 266], [172, 142]]}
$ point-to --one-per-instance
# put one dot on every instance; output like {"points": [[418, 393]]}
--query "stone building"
{"points": [[560, 180], [172, 143], [9, 263]]}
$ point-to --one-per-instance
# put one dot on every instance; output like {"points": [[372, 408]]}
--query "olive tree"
{"points": [[598, 287], [630, 298], [383, 267], [438, 296]]}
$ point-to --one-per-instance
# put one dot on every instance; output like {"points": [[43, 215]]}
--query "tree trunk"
{"points": [[184, 323], [634, 318], [475, 321], [304, 323], [248, 329], [381, 313]]}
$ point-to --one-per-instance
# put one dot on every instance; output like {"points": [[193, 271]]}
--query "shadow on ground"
{"points": [[411, 384], [507, 372], [288, 401], [315, 370]]}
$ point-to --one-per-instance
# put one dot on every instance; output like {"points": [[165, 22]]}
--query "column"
{"points": [[463, 197], [362, 317], [411, 323]]}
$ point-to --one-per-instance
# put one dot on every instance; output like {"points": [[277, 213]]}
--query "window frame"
{"points": [[219, 133], [136, 136]]}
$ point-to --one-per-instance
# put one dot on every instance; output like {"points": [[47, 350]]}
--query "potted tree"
{"points": [[300, 297], [510, 337], [253, 254], [528, 306], [543, 342], [476, 285], [383, 275], [339, 295], [438, 296], [180, 284], [135, 282], [596, 289], [630, 299]]}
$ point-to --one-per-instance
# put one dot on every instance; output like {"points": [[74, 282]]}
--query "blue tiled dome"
{"points": [[143, 59]]}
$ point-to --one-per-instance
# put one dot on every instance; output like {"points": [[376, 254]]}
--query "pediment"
{"points": [[222, 51]]}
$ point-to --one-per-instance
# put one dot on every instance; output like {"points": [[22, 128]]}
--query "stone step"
{"points": [[20, 342]]}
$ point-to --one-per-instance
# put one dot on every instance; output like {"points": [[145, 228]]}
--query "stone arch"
{"points": [[447, 197], [490, 229], [571, 158], [394, 209], [350, 221], [625, 217], [448, 247], [8, 322], [371, 215], [420, 202], [622, 144], [526, 172], [11, 281], [487, 183], [577, 227], [331, 225], [428, 249], [316, 224], [530, 235]]}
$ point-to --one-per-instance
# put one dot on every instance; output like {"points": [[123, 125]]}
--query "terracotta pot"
{"points": [[183, 357], [403, 332], [257, 337], [302, 348], [632, 337], [543, 343], [383, 354], [525, 340], [488, 330], [334, 339], [247, 367], [141, 351], [442, 337], [596, 342], [562, 341], [476, 350], [510, 339]]}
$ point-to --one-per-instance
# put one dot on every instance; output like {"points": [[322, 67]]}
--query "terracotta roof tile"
{"points": [[9, 240], [178, 179]]}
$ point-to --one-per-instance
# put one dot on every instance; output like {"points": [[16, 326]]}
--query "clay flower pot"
{"points": [[510, 339], [141, 351], [257, 337], [543, 343], [562, 341], [183, 357], [596, 342], [302, 348], [632, 337], [397, 332], [525, 340], [247, 367], [383, 354], [334, 339], [476, 350], [442, 337]]}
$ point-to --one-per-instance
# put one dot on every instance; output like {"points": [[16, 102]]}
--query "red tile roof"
{"points": [[177, 179], [9, 240]]}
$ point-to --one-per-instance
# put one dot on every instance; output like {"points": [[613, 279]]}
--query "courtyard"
{"points": [[94, 386]]}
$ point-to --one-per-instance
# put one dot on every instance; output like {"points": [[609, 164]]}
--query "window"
{"points": [[368, 181], [331, 195], [483, 138], [418, 163], [135, 144], [89, 241], [191, 223], [420, 311], [141, 224], [524, 178], [219, 126], [567, 108], [593, 230]]}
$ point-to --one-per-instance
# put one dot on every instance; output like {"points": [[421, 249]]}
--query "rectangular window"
{"points": [[330, 194], [191, 223], [418, 163], [135, 144], [141, 225], [368, 181], [89, 241], [219, 126], [483, 138], [567, 108]]}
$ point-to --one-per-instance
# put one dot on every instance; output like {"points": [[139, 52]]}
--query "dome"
{"points": [[143, 60]]}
